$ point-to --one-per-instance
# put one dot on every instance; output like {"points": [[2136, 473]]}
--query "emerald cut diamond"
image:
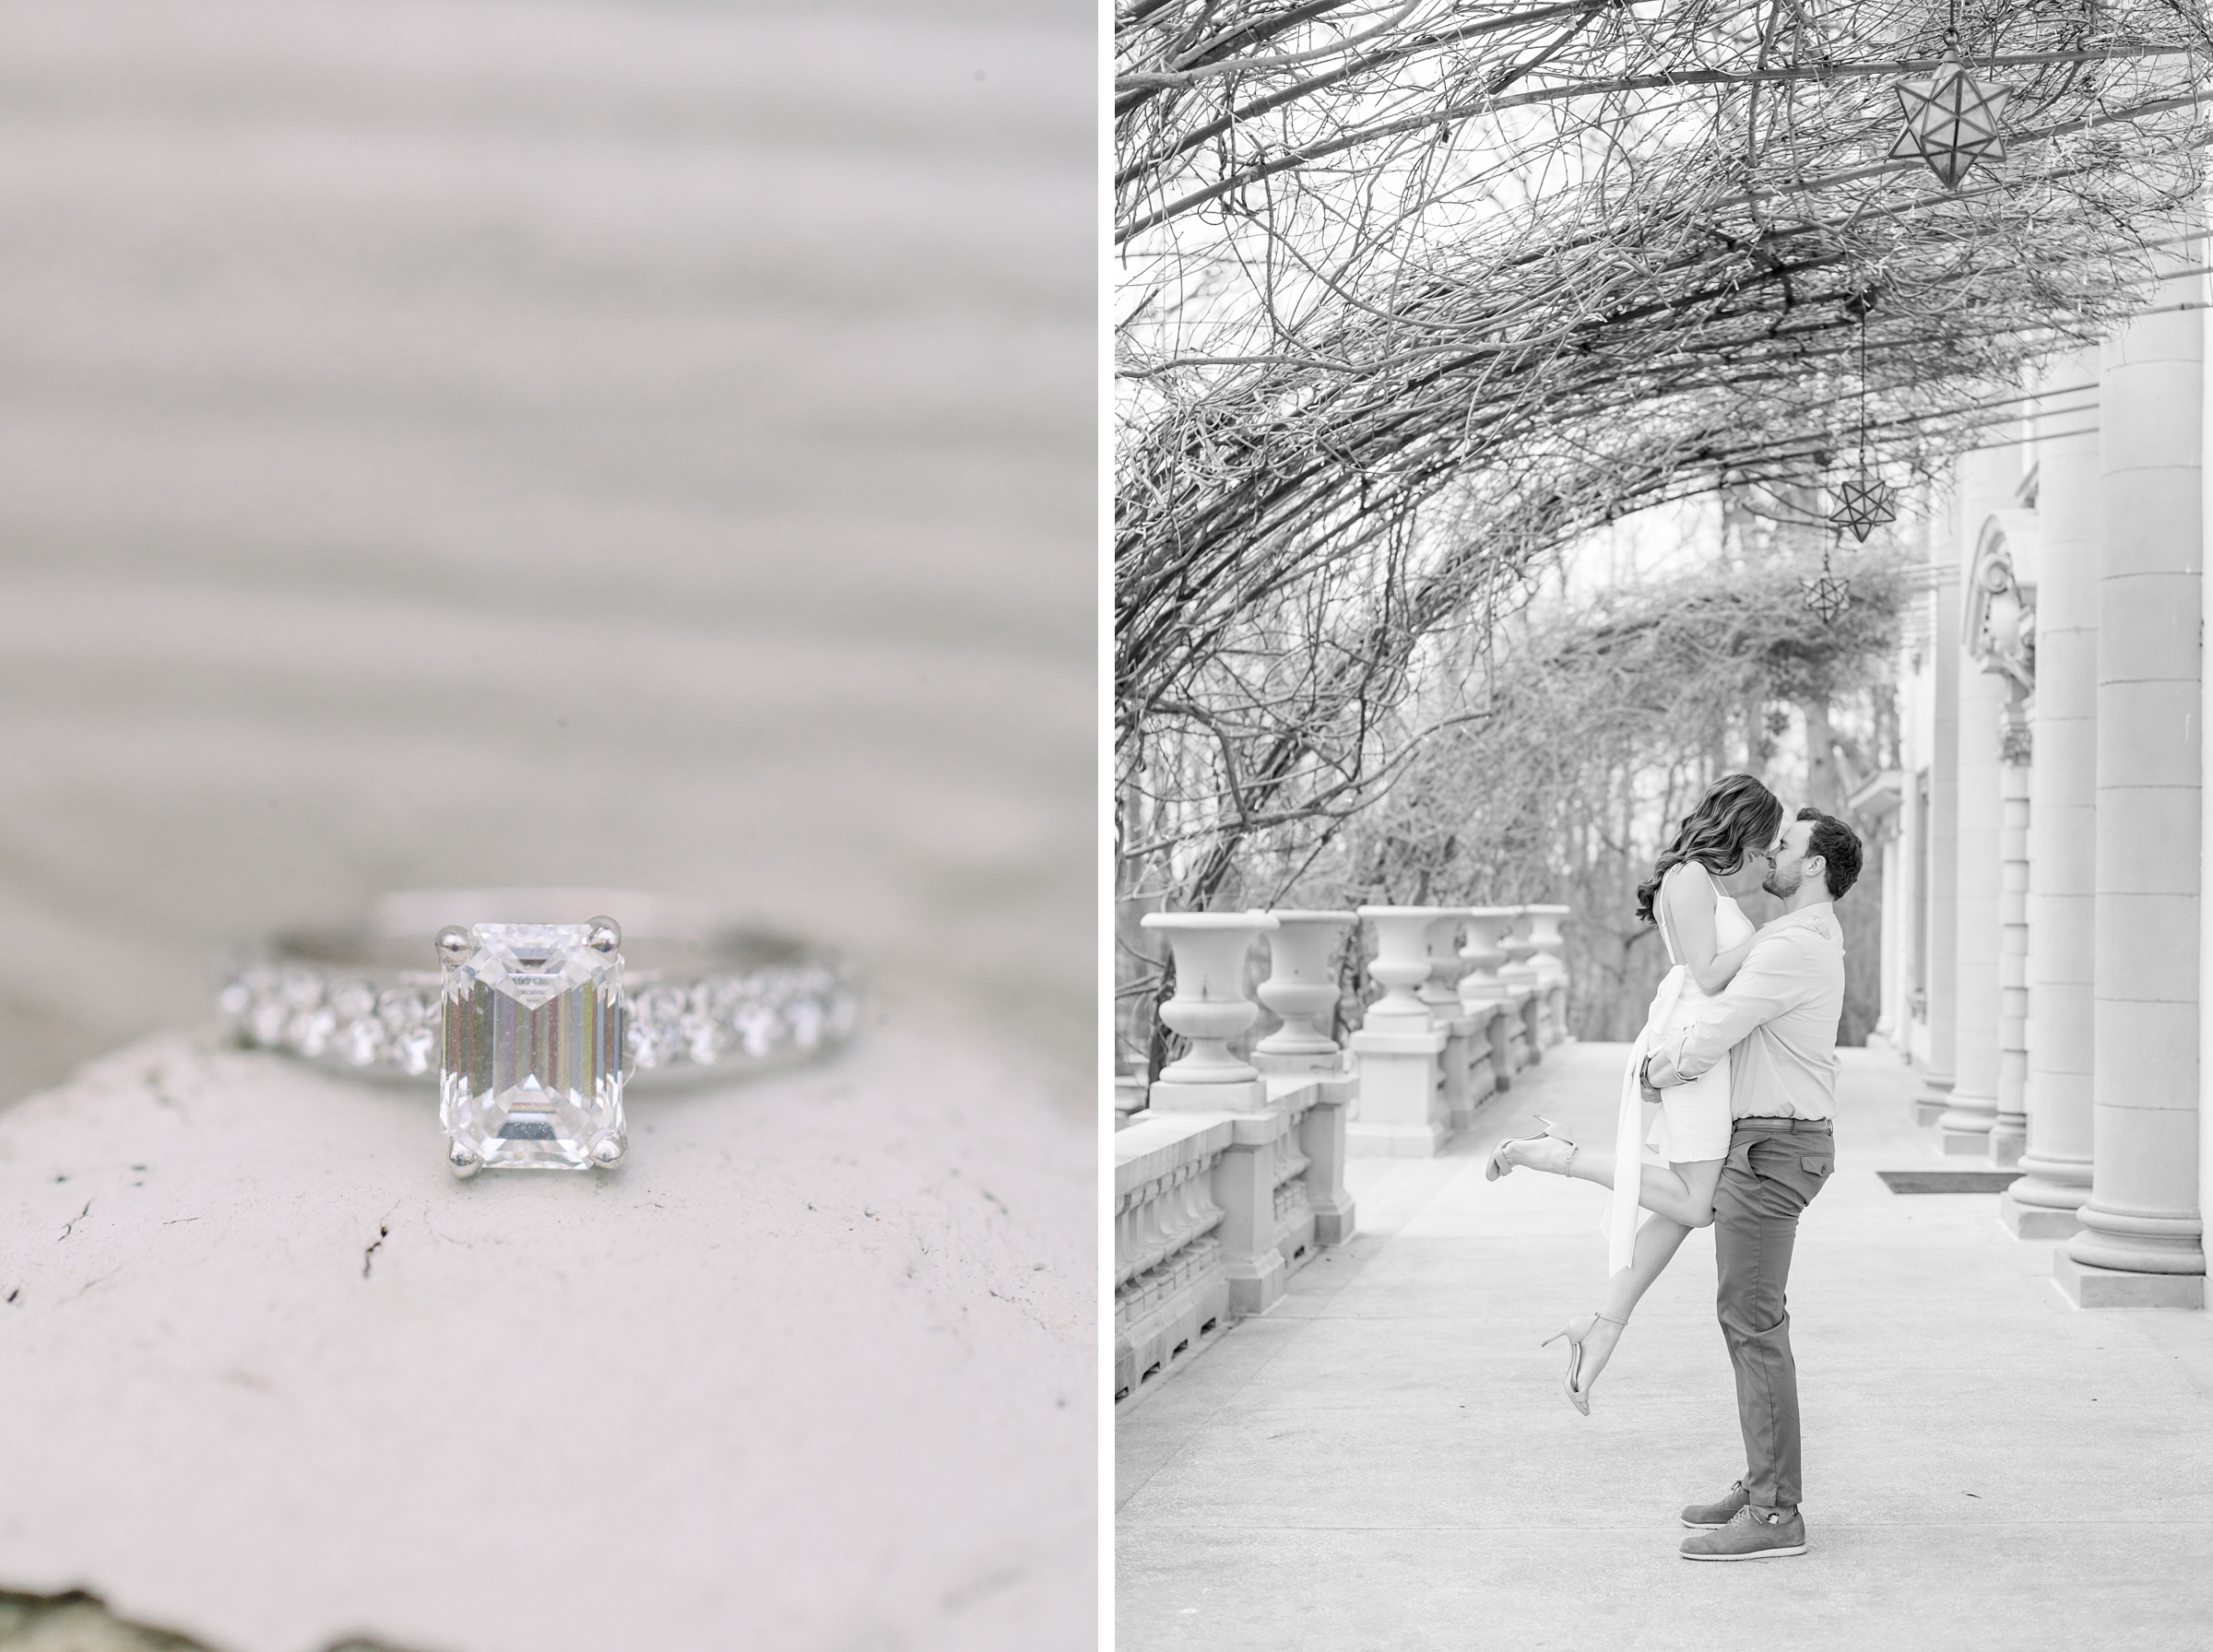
{"points": [[533, 1073]]}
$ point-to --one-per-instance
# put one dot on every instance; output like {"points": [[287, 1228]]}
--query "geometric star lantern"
{"points": [[1862, 505], [1828, 594], [1951, 122]]}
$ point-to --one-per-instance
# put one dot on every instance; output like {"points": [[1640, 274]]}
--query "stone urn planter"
{"points": [[1302, 980], [1515, 943], [1441, 991], [1483, 955], [1209, 1007], [1401, 964], [1545, 936]]}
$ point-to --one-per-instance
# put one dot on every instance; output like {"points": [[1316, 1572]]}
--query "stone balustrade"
{"points": [[1493, 1004], [1233, 1173], [1170, 1293]]}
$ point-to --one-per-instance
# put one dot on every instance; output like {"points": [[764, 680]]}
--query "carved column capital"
{"points": [[2000, 622]]}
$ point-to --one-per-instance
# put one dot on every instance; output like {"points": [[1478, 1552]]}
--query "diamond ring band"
{"points": [[535, 1007]]}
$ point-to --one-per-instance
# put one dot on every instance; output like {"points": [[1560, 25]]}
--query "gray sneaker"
{"points": [[1754, 1534], [1705, 1517]]}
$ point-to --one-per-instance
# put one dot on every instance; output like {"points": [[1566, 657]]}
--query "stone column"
{"points": [[1986, 483], [2062, 817], [1891, 969], [1912, 820], [2142, 1236], [1942, 824], [1878, 804], [2009, 1129]]}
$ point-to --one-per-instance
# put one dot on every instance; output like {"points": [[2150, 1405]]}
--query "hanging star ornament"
{"points": [[1828, 594], [1862, 505], [1951, 122]]}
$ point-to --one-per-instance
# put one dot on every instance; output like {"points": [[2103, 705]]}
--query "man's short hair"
{"points": [[1838, 847]]}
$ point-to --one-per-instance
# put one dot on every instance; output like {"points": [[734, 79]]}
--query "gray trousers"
{"points": [[1775, 1166]]}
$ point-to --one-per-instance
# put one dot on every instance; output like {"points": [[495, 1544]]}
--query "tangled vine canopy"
{"points": [[1611, 721], [1414, 291]]}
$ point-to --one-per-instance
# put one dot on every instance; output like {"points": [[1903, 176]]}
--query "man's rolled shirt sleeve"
{"points": [[1770, 981]]}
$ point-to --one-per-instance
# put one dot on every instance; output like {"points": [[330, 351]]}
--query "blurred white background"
{"points": [[629, 444]]}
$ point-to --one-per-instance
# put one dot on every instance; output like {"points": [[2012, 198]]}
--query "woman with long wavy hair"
{"points": [[1722, 850]]}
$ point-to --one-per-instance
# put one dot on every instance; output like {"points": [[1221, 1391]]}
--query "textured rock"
{"points": [[815, 1368]]}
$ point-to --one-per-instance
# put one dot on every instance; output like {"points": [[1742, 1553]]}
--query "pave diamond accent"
{"points": [[768, 1012], [671, 1026], [533, 1069]]}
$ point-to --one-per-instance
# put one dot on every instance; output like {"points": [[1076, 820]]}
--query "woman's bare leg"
{"points": [[1682, 1192], [1657, 1241]]}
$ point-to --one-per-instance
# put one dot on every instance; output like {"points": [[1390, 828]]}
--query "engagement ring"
{"points": [[535, 1007]]}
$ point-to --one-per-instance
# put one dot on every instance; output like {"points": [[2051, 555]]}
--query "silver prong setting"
{"points": [[462, 1163], [607, 1153], [603, 935], [455, 943]]}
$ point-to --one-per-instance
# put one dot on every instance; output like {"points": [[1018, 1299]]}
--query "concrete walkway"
{"points": [[1386, 1460]]}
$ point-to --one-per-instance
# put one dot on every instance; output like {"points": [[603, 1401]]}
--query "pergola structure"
{"points": [[1413, 294]]}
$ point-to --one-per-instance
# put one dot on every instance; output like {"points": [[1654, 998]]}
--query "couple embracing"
{"points": [[1740, 1054]]}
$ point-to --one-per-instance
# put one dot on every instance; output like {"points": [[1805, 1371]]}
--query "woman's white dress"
{"points": [[1692, 1122]]}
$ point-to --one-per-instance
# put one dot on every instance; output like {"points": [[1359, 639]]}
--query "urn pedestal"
{"points": [[1209, 1008], [1399, 1051], [1303, 1066]]}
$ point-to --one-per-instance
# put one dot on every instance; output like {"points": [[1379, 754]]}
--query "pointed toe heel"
{"points": [[1498, 1165], [1571, 1383]]}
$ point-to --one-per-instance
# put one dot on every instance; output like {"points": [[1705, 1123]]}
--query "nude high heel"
{"points": [[1575, 1397], [1498, 1165]]}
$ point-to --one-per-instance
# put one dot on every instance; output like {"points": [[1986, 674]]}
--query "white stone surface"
{"points": [[1386, 1463], [814, 1369]]}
